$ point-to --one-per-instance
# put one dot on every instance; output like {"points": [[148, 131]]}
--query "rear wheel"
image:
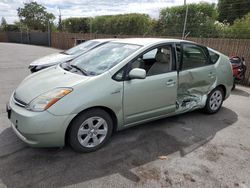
{"points": [[214, 101], [90, 130]]}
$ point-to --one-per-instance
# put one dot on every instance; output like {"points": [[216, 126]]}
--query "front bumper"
{"points": [[38, 129]]}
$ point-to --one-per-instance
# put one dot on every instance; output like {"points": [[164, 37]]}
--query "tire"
{"points": [[214, 101], [90, 130]]}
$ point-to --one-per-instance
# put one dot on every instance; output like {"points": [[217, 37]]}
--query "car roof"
{"points": [[103, 40], [147, 41]]}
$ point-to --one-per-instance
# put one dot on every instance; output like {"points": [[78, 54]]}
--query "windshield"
{"points": [[103, 58], [82, 47]]}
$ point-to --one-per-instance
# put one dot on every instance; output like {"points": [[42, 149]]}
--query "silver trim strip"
{"points": [[21, 136]]}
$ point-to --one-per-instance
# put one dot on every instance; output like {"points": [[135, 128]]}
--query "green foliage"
{"points": [[130, 24], [240, 28], [229, 10], [3, 21], [200, 20], [21, 27], [228, 19], [221, 29], [35, 16], [112, 24], [76, 25], [12, 27], [8, 27], [3, 24]]}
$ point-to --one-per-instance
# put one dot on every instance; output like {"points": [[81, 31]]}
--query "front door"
{"points": [[154, 96]]}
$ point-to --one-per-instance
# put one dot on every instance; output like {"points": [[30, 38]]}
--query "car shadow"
{"points": [[23, 166], [238, 91]]}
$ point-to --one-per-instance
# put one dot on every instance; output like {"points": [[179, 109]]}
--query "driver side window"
{"points": [[156, 61]]}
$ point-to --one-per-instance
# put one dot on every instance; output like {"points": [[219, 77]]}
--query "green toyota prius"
{"points": [[117, 85]]}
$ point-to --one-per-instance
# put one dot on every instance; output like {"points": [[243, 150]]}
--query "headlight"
{"points": [[46, 100]]}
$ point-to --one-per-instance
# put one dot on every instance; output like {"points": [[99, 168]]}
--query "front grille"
{"points": [[18, 101]]}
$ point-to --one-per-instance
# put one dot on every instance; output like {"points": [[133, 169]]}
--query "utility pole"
{"points": [[60, 20], [185, 21], [91, 28], [49, 34]]}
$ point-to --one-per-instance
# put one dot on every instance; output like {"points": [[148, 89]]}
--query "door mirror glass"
{"points": [[137, 73]]}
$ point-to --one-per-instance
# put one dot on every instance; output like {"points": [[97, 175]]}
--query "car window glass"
{"points": [[214, 56], [103, 58], [193, 56], [156, 61], [150, 55], [82, 47], [119, 75]]}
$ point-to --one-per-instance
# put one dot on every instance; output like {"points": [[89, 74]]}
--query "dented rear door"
{"points": [[196, 76]]}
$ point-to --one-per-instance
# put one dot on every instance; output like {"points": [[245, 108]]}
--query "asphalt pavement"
{"points": [[189, 150]]}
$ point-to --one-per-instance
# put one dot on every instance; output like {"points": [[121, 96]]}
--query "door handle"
{"points": [[170, 83]]}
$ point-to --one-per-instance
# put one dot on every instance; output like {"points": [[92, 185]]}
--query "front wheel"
{"points": [[214, 101], [90, 130]]}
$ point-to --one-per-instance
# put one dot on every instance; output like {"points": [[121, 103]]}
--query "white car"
{"points": [[65, 56]]}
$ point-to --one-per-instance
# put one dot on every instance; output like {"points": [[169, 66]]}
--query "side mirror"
{"points": [[137, 73]]}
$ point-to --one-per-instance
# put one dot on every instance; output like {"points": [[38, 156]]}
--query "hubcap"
{"points": [[92, 132], [215, 100]]}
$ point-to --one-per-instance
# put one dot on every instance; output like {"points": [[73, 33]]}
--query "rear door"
{"points": [[197, 74]]}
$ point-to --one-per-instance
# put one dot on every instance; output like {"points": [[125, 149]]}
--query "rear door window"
{"points": [[193, 56], [213, 56]]}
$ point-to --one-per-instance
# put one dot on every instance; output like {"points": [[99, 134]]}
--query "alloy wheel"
{"points": [[216, 100], [92, 132]]}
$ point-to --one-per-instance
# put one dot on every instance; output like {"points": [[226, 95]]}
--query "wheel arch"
{"points": [[106, 109], [224, 90]]}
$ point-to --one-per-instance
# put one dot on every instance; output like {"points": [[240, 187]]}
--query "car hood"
{"points": [[52, 59], [46, 80]]}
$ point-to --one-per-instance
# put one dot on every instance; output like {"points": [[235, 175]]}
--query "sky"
{"points": [[91, 8]]}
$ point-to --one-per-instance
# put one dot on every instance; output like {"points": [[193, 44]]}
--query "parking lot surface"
{"points": [[190, 150]]}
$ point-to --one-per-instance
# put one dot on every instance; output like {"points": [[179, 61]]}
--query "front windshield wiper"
{"points": [[80, 69]]}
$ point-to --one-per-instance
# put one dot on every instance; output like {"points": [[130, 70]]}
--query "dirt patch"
{"points": [[167, 178], [212, 153], [148, 174]]}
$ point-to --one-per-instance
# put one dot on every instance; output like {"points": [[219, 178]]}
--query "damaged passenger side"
{"points": [[196, 76]]}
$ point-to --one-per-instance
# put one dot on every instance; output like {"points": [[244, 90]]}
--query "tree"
{"points": [[230, 10], [3, 24], [130, 24], [60, 21], [76, 25], [240, 28], [35, 16], [200, 20]]}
